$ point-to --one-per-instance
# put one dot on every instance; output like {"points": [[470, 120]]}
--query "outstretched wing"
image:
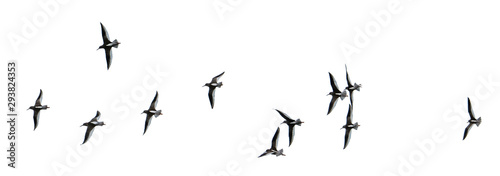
{"points": [[97, 116], [291, 133], [211, 96], [88, 133], [39, 99], [347, 136], [333, 83], [154, 102], [349, 84], [349, 116], [467, 129], [105, 37], [216, 78], [36, 117], [285, 116], [333, 102], [149, 117], [471, 112], [109, 56], [275, 139]]}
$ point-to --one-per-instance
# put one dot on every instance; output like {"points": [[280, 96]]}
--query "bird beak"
{"points": [[161, 113]]}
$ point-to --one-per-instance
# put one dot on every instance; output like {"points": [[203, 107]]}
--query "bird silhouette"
{"points": [[291, 125], [151, 112], [211, 88], [36, 109], [351, 87], [336, 93], [91, 125], [273, 150], [472, 120], [107, 45], [348, 127]]}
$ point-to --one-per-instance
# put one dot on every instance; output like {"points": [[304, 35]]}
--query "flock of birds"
{"points": [[214, 83]]}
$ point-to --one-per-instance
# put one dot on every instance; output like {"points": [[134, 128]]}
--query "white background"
{"points": [[416, 74]]}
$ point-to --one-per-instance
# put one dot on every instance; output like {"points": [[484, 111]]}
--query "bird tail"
{"points": [[356, 126], [478, 121], [220, 85], [157, 113], [115, 41], [343, 94]]}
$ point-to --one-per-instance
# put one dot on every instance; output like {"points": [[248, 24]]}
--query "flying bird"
{"points": [[350, 87], [150, 112], [291, 124], [211, 88], [349, 126], [107, 45], [37, 107], [273, 150], [336, 93], [91, 125], [472, 120]]}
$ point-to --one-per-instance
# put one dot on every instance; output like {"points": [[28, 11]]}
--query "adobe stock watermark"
{"points": [[251, 148], [371, 29], [222, 7], [31, 26], [76, 154], [455, 117]]}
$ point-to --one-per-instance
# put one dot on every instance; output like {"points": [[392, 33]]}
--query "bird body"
{"points": [[472, 120], [350, 86], [151, 112], [91, 126], [107, 45], [291, 125], [36, 109], [336, 93], [211, 88], [349, 126], [273, 150]]}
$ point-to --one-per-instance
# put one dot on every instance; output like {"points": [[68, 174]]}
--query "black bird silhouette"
{"points": [[349, 126], [291, 124], [91, 125], [336, 93], [472, 120], [150, 112], [37, 107], [273, 150], [107, 45], [211, 88], [350, 87]]}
